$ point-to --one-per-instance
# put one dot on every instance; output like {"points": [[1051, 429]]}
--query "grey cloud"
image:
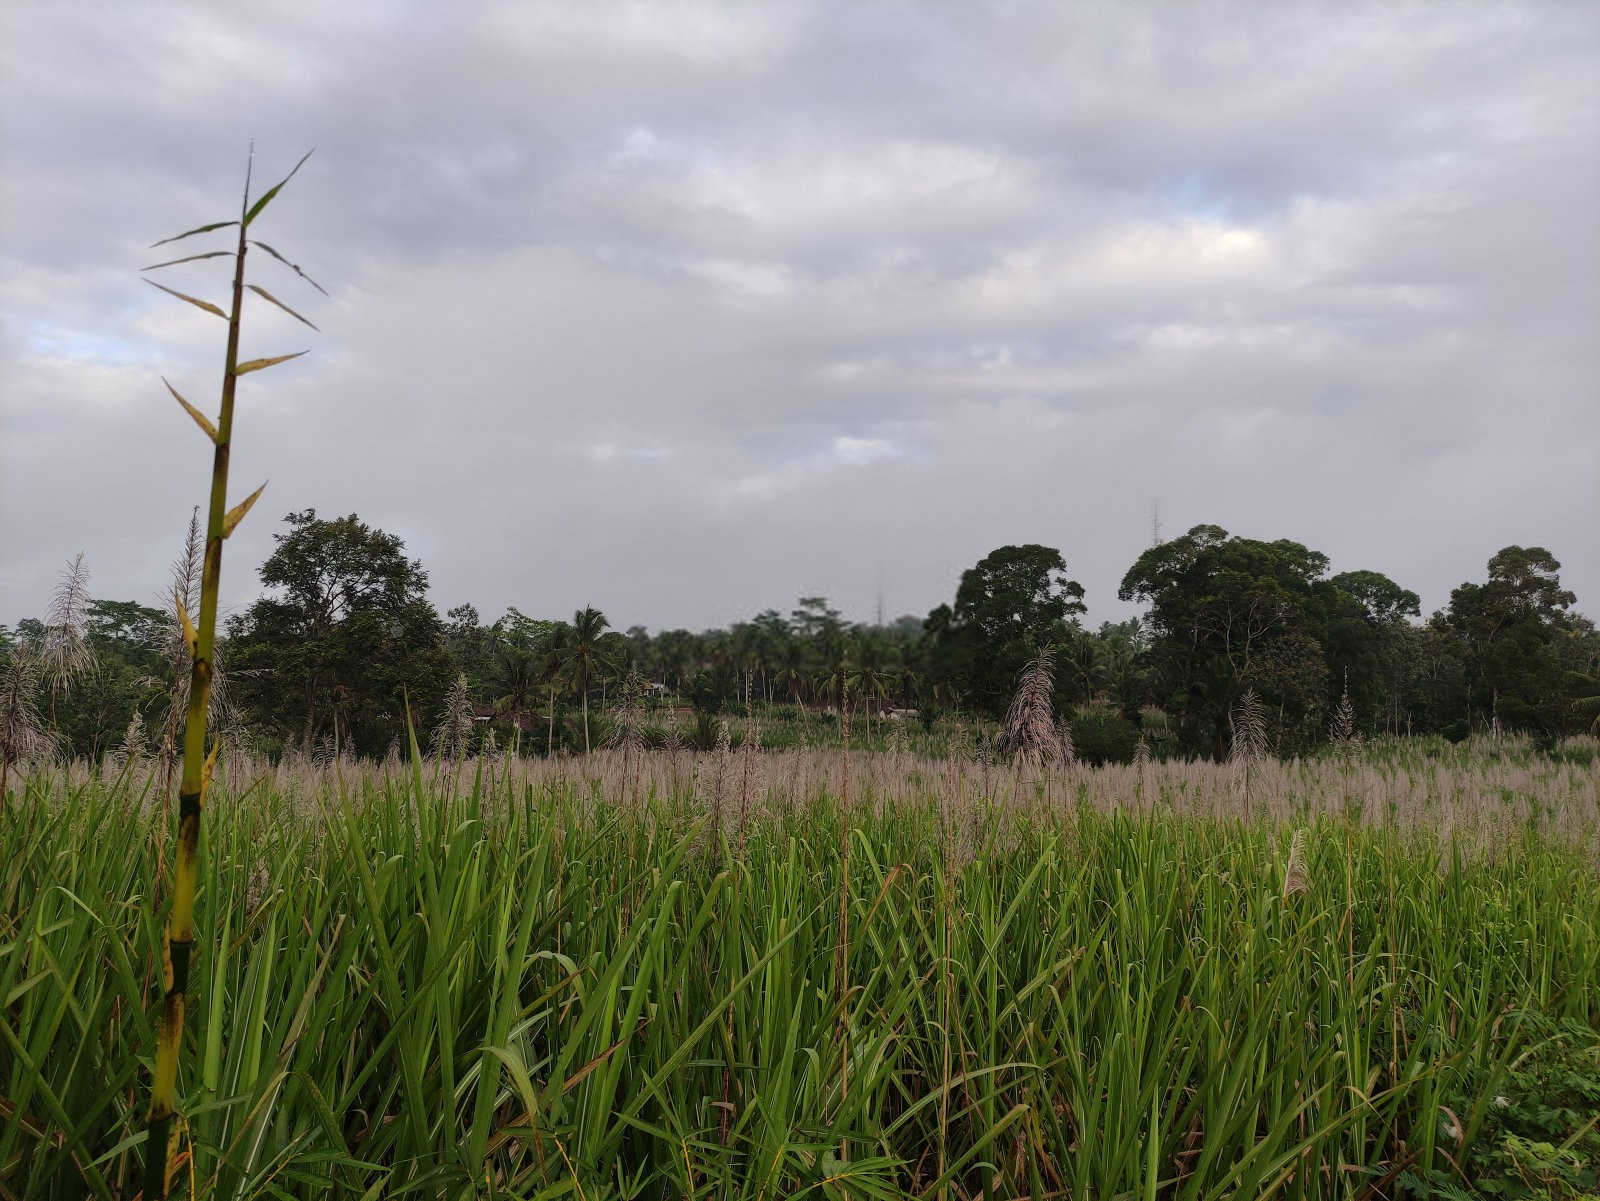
{"points": [[683, 310]]}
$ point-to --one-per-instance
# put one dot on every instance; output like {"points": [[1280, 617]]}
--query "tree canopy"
{"points": [[345, 633], [343, 637], [1010, 605]]}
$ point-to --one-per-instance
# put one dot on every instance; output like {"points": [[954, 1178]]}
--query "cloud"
{"points": [[686, 310]]}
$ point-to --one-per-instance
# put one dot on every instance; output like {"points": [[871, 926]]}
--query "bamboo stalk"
{"points": [[178, 948]]}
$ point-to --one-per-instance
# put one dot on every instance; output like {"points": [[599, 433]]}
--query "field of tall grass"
{"points": [[803, 973]]}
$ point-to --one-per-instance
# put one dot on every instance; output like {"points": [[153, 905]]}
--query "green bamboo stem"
{"points": [[179, 944]]}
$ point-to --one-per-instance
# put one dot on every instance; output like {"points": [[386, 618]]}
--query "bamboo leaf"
{"points": [[200, 418], [189, 634], [295, 267], [268, 296], [201, 229], [275, 189], [210, 254], [250, 365], [199, 304], [236, 514]]}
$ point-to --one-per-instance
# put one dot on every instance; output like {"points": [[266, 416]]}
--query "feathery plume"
{"points": [[454, 731], [1296, 876], [751, 780], [1067, 749], [23, 734], [627, 728], [66, 656], [1030, 736], [255, 889], [1249, 722], [132, 748], [1342, 730]]}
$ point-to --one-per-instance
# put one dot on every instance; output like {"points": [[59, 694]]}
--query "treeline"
{"points": [[345, 638]]}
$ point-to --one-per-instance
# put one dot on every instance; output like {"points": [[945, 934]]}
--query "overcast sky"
{"points": [[688, 310]]}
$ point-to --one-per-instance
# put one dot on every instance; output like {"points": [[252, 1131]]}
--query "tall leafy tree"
{"points": [[520, 663], [1511, 628], [344, 634], [1582, 656], [1367, 638], [1015, 602], [1227, 614], [1120, 675]]}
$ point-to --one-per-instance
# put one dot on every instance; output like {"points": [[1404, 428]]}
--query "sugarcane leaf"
{"points": [[201, 229], [268, 296], [236, 514], [190, 637], [267, 196], [295, 267], [210, 254], [199, 304], [257, 364], [200, 418]]}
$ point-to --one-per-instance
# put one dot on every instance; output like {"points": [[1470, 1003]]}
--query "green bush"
{"points": [[1102, 735]]}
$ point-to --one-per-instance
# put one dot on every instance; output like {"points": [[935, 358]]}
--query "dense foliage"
{"points": [[345, 634]]}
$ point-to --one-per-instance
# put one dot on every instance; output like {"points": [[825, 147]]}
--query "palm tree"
{"points": [[1082, 662], [582, 652], [837, 682], [792, 668], [516, 676], [874, 677]]}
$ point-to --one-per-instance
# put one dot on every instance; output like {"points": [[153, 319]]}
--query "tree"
{"points": [[1583, 673], [676, 652], [519, 664], [346, 632], [471, 643], [1120, 673], [1366, 639], [791, 671], [815, 621], [584, 650], [1510, 628], [1018, 593], [1014, 603], [1229, 614], [770, 639], [126, 640]]}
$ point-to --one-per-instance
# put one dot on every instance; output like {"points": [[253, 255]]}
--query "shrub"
{"points": [[1102, 735]]}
